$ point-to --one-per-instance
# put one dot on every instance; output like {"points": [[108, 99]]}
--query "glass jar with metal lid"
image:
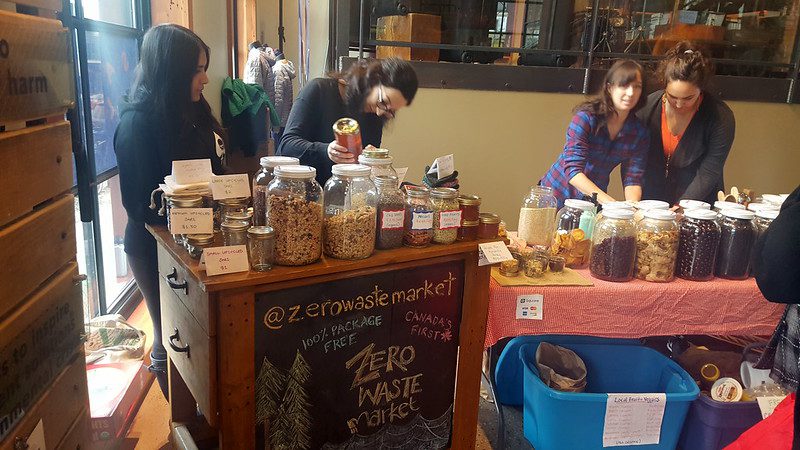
{"points": [[234, 232], [737, 237], [351, 201], [241, 217], [613, 249], [196, 243], [348, 135], [536, 217], [656, 246], [379, 161], [697, 246], [261, 248], [391, 213], [262, 179], [177, 202], [294, 211], [573, 233], [470, 207], [418, 226], [468, 230], [488, 226], [446, 215]]}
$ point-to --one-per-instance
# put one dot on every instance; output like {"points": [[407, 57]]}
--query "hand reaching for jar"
{"points": [[339, 154]]}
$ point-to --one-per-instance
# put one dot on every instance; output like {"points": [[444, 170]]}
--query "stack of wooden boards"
{"points": [[43, 392]]}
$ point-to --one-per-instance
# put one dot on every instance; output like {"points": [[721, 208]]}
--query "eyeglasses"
{"points": [[383, 105]]}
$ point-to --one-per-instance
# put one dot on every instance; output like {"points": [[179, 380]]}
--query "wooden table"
{"points": [[337, 352]]}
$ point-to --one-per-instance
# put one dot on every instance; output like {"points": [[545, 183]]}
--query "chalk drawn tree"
{"points": [[292, 428], [270, 385]]}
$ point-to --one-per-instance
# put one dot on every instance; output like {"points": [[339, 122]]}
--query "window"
{"points": [[106, 37]]}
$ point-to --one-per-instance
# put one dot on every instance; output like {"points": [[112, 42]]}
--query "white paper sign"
{"points": [[230, 186], [530, 306], [191, 171], [392, 219], [221, 260], [767, 404], [401, 174], [449, 219], [633, 419], [444, 166], [36, 439], [493, 253], [191, 221], [421, 220]]}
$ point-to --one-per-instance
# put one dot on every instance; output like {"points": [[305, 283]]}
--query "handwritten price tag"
{"points": [[493, 253], [220, 260], [191, 221], [191, 171], [230, 186], [445, 166]]}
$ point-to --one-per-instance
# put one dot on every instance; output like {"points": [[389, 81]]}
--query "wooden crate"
{"points": [[37, 166], [35, 68], [419, 28]]}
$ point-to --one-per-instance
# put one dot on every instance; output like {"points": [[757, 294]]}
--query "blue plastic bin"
{"points": [[712, 425], [554, 420]]}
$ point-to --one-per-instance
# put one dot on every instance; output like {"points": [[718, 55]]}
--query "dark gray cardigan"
{"points": [[696, 167]]}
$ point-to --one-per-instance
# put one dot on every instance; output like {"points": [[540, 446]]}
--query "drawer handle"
{"points": [[176, 337], [172, 281]]}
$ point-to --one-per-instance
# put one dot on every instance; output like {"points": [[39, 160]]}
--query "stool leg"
{"points": [[501, 423]]}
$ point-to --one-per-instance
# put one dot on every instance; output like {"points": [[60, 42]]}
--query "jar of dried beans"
{"points": [[262, 179], [697, 247], [350, 209], [656, 246], [418, 225], [536, 217], [294, 211], [446, 215], [738, 234], [613, 249], [391, 212]]}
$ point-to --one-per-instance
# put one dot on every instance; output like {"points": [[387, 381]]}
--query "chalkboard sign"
{"points": [[366, 362]]}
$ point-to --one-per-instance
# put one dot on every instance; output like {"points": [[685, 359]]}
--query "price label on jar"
{"points": [[191, 221], [421, 220], [449, 219], [392, 219]]}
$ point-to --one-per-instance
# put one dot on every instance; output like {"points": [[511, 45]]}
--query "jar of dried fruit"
{"points": [[294, 211], [613, 246], [656, 246], [572, 238], [262, 179], [351, 200]]}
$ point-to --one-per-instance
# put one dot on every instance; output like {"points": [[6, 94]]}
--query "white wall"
{"points": [[210, 23]]}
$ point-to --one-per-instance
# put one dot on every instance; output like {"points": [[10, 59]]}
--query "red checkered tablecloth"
{"points": [[636, 309]]}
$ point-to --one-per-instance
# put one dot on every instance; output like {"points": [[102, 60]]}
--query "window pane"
{"points": [[87, 265], [111, 60], [113, 220], [119, 12]]}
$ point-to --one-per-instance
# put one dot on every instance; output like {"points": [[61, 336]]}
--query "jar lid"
{"points": [[660, 214], [727, 205], [375, 153], [275, 161], [775, 199], [651, 204], [382, 161], [700, 214], [296, 172], [738, 213], [770, 214], [186, 202], [469, 200], [386, 181], [694, 204], [618, 213], [489, 218], [755, 207], [237, 201], [234, 225], [445, 193], [470, 223], [200, 239], [239, 216], [583, 205], [417, 191], [261, 232], [351, 170], [617, 205], [346, 125]]}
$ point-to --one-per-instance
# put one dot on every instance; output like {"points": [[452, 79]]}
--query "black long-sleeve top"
{"points": [[309, 129], [777, 262]]}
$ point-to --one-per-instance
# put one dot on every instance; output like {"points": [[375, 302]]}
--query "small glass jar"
{"points": [[657, 246], [196, 243], [572, 238], [294, 211], [536, 217], [391, 213], [261, 248], [470, 207], [468, 230], [697, 246], [647, 205], [556, 264], [177, 202], [262, 179], [379, 161], [738, 234], [721, 205], [488, 226], [613, 249], [535, 265], [351, 200], [446, 215], [509, 268], [234, 233], [232, 206], [418, 225], [687, 204], [348, 135], [245, 218], [763, 220]]}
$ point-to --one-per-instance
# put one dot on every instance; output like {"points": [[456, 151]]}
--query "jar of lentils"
{"points": [[738, 234], [418, 221], [697, 246], [446, 215]]}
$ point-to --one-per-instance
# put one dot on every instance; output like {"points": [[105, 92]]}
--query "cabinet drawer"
{"points": [[176, 279], [191, 350], [78, 435]]}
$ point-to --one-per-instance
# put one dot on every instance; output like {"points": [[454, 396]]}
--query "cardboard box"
{"points": [[114, 393]]}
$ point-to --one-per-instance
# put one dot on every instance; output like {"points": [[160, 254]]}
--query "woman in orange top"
{"points": [[691, 131]]}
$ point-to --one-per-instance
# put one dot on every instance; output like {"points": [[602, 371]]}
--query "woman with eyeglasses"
{"points": [[692, 130], [371, 92]]}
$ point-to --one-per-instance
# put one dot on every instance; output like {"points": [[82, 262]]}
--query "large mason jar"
{"points": [[573, 233], [350, 209], [261, 180], [697, 249], [738, 234], [613, 246], [657, 246], [379, 160], [294, 211], [537, 216]]}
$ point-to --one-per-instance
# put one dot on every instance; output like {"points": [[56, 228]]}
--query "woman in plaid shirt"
{"points": [[602, 135]]}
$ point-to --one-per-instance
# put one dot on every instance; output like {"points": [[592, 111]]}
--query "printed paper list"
{"points": [[633, 419]]}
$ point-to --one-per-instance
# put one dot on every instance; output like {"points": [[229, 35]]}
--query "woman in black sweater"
{"points": [[691, 131], [166, 119], [370, 92]]}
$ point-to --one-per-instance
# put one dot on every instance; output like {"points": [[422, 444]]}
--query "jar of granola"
{"points": [[262, 179], [418, 221], [294, 211], [656, 246], [351, 200], [446, 215]]}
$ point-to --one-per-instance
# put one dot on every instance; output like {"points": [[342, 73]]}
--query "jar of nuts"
{"points": [[418, 221], [294, 211], [446, 215], [350, 210], [656, 246], [262, 179]]}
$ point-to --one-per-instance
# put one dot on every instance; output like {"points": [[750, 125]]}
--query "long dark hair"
{"points": [[622, 73], [163, 85], [686, 62], [364, 75]]}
